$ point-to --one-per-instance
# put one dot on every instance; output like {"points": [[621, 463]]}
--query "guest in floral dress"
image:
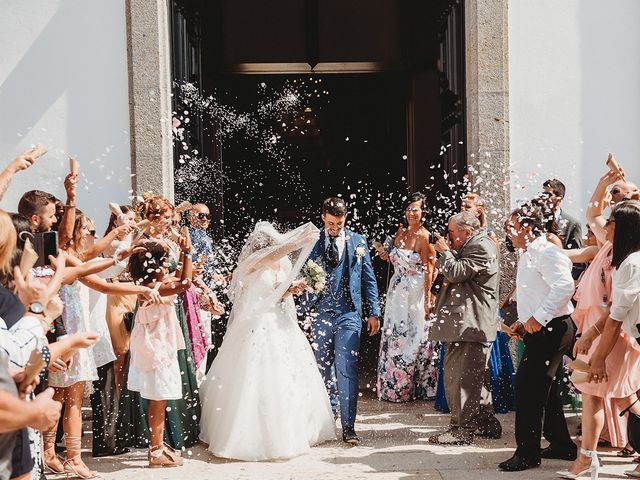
{"points": [[406, 368]]}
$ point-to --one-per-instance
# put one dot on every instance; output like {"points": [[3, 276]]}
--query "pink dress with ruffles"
{"points": [[155, 340], [623, 363]]}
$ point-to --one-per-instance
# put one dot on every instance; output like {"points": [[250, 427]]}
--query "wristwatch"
{"points": [[36, 307]]}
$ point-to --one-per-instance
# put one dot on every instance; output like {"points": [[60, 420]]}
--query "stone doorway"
{"points": [[395, 73]]}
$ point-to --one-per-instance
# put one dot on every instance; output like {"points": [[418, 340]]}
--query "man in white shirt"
{"points": [[544, 288]]}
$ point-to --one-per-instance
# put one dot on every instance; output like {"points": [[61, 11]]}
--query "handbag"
{"points": [[128, 320]]}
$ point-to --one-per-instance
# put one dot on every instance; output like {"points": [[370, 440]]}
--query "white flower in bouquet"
{"points": [[314, 276]]}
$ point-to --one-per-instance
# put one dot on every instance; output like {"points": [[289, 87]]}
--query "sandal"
{"points": [[55, 465], [626, 452], [79, 469], [165, 458]]}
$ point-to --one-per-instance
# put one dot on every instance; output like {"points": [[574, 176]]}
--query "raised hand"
{"points": [[70, 183], [23, 161], [152, 295], [122, 231], [24, 390], [217, 308], [59, 263], [29, 289], [54, 307], [185, 240], [611, 177], [127, 252], [441, 243], [57, 366]]}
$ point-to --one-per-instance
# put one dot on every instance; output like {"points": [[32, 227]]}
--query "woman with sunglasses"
{"points": [[406, 369]]}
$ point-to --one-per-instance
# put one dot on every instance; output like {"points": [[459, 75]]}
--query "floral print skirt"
{"points": [[408, 361]]}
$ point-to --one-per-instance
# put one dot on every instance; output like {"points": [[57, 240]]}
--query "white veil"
{"points": [[265, 246]]}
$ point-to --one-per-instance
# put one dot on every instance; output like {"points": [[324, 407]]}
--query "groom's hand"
{"points": [[373, 325]]}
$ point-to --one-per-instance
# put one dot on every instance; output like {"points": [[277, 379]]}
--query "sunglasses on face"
{"points": [[204, 216]]}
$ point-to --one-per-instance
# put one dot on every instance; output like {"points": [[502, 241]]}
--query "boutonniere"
{"points": [[360, 251]]}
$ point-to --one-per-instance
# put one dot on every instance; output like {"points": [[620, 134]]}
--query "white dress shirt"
{"points": [[341, 241], [544, 284], [625, 294], [19, 340]]}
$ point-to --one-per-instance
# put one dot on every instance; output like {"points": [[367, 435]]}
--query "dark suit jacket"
{"points": [[467, 305], [571, 232]]}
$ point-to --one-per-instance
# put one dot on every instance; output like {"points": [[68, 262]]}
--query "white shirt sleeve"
{"points": [[555, 269], [625, 290], [21, 339]]}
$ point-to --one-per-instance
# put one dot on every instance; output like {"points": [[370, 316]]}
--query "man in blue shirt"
{"points": [[200, 218]]}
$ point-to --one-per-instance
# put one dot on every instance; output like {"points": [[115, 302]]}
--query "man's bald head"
{"points": [[623, 190], [199, 216]]}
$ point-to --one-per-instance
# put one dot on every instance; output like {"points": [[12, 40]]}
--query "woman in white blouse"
{"points": [[625, 295]]}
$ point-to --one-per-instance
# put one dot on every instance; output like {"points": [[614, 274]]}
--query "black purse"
{"points": [[633, 427], [128, 320]]}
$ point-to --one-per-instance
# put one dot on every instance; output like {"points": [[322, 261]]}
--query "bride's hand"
{"points": [[297, 287]]}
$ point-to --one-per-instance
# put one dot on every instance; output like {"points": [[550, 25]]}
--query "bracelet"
{"points": [[596, 327], [187, 254]]}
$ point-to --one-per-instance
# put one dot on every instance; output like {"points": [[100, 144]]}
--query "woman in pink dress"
{"points": [[601, 401]]}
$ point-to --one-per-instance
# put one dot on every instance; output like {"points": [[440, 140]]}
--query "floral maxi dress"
{"points": [[407, 367]]}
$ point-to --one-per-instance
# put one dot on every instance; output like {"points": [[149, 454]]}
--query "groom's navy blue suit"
{"points": [[351, 292]]}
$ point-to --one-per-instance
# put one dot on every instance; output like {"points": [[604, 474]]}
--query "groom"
{"points": [[338, 310]]}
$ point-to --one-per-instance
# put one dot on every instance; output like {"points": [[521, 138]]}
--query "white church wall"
{"points": [[64, 84], [573, 85]]}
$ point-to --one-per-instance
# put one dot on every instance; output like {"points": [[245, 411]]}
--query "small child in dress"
{"points": [[155, 340]]}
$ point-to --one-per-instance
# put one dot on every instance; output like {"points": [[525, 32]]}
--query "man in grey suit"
{"points": [[466, 321]]}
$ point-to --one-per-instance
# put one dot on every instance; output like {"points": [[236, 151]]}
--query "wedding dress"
{"points": [[263, 397]]}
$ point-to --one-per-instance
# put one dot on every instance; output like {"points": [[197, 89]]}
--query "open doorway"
{"points": [[350, 141], [392, 119]]}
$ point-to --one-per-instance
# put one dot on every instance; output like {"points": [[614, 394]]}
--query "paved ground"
{"points": [[393, 446]]}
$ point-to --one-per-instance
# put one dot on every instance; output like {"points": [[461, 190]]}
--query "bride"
{"points": [[263, 397]]}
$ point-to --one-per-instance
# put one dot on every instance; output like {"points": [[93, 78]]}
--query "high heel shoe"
{"points": [[73, 445], [593, 468], [49, 445]]}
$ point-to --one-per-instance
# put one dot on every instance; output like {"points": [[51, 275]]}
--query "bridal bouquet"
{"points": [[314, 276]]}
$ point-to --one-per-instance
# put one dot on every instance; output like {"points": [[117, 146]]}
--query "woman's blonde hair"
{"points": [[8, 238], [479, 202]]}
